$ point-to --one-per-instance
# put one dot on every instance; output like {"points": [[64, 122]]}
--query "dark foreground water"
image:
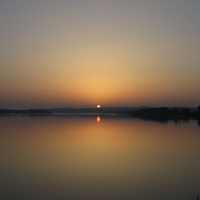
{"points": [[98, 158]]}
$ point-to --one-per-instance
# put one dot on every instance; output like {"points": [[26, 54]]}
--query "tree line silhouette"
{"points": [[30, 111], [164, 111], [141, 112]]}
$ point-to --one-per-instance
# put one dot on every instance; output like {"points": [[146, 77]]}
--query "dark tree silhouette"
{"points": [[30, 111]]}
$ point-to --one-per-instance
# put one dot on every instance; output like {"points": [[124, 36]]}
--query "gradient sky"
{"points": [[59, 53]]}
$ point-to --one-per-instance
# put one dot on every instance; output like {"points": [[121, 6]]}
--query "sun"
{"points": [[98, 106]]}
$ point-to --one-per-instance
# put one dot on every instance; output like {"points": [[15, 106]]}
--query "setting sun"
{"points": [[98, 106]]}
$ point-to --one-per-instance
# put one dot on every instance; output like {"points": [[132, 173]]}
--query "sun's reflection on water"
{"points": [[98, 119]]}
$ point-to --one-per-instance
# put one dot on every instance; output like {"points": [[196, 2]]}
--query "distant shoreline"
{"points": [[30, 111], [167, 113], [139, 112]]}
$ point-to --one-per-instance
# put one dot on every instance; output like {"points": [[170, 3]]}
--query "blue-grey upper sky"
{"points": [[114, 53]]}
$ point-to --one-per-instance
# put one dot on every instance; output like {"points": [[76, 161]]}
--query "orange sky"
{"points": [[79, 54]]}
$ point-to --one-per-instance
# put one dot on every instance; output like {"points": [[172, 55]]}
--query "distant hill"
{"points": [[30, 111], [142, 110], [111, 110]]}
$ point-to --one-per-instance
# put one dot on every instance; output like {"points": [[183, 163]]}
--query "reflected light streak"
{"points": [[98, 119]]}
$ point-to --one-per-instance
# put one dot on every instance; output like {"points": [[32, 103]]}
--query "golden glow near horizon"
{"points": [[98, 106], [119, 53]]}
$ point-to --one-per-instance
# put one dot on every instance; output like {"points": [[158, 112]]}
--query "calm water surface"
{"points": [[94, 158]]}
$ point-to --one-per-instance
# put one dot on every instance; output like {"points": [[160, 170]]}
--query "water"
{"points": [[98, 157]]}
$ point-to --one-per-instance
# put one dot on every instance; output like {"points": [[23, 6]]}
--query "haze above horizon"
{"points": [[111, 53]]}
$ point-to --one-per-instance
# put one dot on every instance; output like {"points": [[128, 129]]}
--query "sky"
{"points": [[80, 53]]}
